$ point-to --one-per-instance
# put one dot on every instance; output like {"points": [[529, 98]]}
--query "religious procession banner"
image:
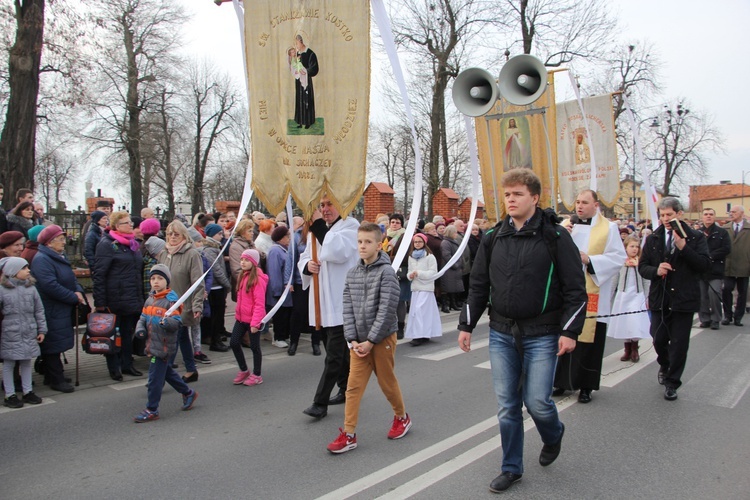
{"points": [[574, 150], [309, 85], [509, 137]]}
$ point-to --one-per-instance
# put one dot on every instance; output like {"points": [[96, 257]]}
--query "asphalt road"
{"points": [[241, 442]]}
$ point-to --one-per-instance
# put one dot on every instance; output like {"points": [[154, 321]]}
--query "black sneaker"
{"points": [[504, 481], [13, 402], [201, 358], [670, 393], [551, 451], [32, 398]]}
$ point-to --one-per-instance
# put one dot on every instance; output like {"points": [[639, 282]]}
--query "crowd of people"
{"points": [[554, 288]]}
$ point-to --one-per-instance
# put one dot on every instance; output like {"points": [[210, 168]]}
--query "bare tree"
{"points": [[137, 44], [680, 145]]}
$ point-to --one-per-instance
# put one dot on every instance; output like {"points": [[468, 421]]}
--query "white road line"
{"points": [[485, 365], [725, 379], [141, 382], [45, 401], [453, 350]]}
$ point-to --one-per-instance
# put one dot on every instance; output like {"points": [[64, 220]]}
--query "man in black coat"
{"points": [[719, 245], [674, 264]]}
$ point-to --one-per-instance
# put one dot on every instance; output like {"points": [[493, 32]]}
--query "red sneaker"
{"points": [[400, 427], [343, 443]]}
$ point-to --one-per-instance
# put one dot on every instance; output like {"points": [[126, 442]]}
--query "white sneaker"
{"points": [[280, 343]]}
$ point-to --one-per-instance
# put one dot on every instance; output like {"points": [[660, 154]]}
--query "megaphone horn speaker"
{"points": [[475, 92], [523, 80]]}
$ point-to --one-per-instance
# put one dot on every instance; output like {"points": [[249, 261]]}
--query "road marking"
{"points": [[725, 379], [45, 401], [453, 350]]}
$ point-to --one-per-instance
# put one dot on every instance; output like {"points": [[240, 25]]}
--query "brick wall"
{"points": [[377, 202], [445, 206]]}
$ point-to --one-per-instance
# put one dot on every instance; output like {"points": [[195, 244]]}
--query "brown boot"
{"points": [[634, 356], [626, 355]]}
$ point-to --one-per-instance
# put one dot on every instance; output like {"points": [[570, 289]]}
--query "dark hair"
{"points": [[23, 192], [22, 206], [104, 203], [370, 227], [522, 177], [593, 194], [669, 202], [398, 217], [711, 209]]}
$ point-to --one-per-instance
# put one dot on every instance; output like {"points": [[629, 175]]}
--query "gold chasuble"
{"points": [[597, 244], [309, 86]]}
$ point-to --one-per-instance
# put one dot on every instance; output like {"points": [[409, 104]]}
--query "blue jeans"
{"points": [[186, 346], [160, 371], [535, 391]]}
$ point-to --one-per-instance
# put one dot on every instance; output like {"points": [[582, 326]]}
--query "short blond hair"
{"points": [[243, 226], [116, 217], [178, 227]]}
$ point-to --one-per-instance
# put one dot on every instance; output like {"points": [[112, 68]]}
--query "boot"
{"points": [[626, 355], [634, 356], [400, 333], [292, 350], [444, 304], [455, 302]]}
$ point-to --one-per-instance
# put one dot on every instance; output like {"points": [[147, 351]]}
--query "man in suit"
{"points": [[719, 246], [737, 266]]}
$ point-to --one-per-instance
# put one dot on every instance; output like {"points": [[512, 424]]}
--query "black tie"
{"points": [[670, 243]]}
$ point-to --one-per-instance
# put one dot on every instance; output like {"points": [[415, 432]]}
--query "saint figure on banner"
{"points": [[307, 67], [583, 153], [516, 151]]}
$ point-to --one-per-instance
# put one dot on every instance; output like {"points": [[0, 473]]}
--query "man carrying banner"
{"points": [[602, 254], [336, 239]]}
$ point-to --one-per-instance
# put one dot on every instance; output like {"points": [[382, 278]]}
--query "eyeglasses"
{"points": [[125, 222]]}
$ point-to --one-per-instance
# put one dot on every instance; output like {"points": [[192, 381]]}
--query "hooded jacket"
{"points": [[251, 306], [23, 318], [160, 332], [371, 297]]}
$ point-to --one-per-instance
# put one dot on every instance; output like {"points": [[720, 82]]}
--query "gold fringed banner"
{"points": [[517, 142], [309, 84]]}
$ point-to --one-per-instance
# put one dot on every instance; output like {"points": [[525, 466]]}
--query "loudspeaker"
{"points": [[522, 80], [475, 92]]}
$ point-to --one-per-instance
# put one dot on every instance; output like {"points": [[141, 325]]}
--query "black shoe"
{"points": [[551, 451], [416, 342], [32, 398], [316, 411], [292, 349], [584, 396], [737, 322], [132, 371], [316, 349], [504, 481], [661, 376], [705, 324], [13, 402], [558, 391], [63, 387], [670, 393], [725, 321], [47, 382], [174, 366], [338, 399], [115, 376], [191, 378], [218, 347], [445, 309], [715, 326]]}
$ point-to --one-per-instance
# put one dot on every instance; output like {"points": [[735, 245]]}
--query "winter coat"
{"points": [[738, 262], [719, 245], [276, 264], [236, 247], [29, 252], [23, 319], [514, 271], [679, 290], [452, 280], [92, 240], [186, 266], [337, 254], [160, 332], [57, 286], [251, 305], [263, 243], [20, 224], [118, 277], [370, 300], [292, 258], [211, 251], [426, 268], [433, 243]]}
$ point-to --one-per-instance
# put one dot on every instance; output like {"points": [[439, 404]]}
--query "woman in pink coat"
{"points": [[250, 310]]}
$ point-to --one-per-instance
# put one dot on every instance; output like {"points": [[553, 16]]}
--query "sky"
{"points": [[699, 46]]}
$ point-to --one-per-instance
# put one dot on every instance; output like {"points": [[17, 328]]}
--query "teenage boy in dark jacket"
{"points": [[530, 272], [674, 265]]}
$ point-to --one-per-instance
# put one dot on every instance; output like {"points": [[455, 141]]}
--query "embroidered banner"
{"points": [[516, 141], [574, 150], [309, 81]]}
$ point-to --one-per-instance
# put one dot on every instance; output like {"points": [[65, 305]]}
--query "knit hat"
{"points": [[161, 270], [422, 236], [251, 254], [48, 234], [97, 215], [137, 221], [279, 233], [9, 237], [11, 265], [150, 227], [212, 230], [194, 234], [34, 232]]}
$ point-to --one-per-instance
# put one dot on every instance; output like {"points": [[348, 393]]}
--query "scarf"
{"points": [[395, 234], [418, 254], [127, 240], [171, 250]]}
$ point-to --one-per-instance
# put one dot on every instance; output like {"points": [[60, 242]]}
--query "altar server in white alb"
{"points": [[602, 254]]}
